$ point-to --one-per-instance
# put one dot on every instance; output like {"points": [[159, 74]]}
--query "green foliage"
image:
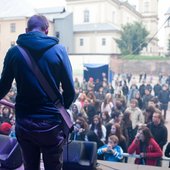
{"points": [[133, 38]]}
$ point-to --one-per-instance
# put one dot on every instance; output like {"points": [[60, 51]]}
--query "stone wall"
{"points": [[132, 66]]}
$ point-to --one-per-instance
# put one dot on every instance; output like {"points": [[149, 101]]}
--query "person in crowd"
{"points": [[76, 83], [105, 87], [167, 151], [90, 110], [157, 88], [140, 101], [136, 115], [142, 89], [148, 113], [105, 118], [145, 146], [111, 151], [97, 85], [6, 114], [129, 77], [125, 90], [140, 77], [168, 80], [164, 98], [12, 131], [126, 127], [35, 113], [120, 97], [90, 84], [98, 128], [111, 89], [116, 117], [84, 85], [147, 96], [5, 128], [107, 104], [154, 102], [132, 92], [100, 95], [91, 97], [77, 110], [80, 129], [149, 87], [11, 95], [118, 106], [77, 92], [81, 98], [158, 129]]}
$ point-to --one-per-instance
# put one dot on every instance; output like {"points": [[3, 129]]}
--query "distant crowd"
{"points": [[127, 115]]}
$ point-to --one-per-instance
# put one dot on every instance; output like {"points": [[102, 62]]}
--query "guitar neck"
{"points": [[8, 104]]}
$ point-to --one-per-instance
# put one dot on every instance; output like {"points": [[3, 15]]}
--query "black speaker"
{"points": [[10, 153], [80, 155]]}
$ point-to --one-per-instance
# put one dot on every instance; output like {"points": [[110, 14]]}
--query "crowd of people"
{"points": [[125, 116]]}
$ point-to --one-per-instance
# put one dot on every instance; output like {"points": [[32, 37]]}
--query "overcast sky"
{"points": [[162, 9]]}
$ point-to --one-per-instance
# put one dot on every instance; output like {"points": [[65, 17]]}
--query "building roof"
{"points": [[95, 27], [15, 8], [62, 15], [130, 7], [50, 10]]}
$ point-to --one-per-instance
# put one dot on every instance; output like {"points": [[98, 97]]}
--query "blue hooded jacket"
{"points": [[53, 62]]}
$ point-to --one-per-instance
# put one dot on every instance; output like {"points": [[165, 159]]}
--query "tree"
{"points": [[133, 38]]}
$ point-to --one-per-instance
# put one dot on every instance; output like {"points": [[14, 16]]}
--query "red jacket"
{"points": [[153, 152]]}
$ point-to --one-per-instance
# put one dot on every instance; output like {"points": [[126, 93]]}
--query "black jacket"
{"points": [[159, 133]]}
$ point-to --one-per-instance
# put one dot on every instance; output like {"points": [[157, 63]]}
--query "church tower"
{"points": [[149, 12]]}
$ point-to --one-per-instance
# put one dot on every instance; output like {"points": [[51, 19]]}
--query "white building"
{"points": [[97, 23], [167, 32]]}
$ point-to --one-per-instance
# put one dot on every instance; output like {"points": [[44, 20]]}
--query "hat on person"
{"points": [[5, 128]]}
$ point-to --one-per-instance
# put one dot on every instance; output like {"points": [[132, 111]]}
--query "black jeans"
{"points": [[41, 136]]}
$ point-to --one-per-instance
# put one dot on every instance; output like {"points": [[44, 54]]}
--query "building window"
{"points": [[13, 27], [168, 22], [58, 35], [103, 41], [113, 17], [146, 6], [81, 42], [86, 16], [12, 43]]}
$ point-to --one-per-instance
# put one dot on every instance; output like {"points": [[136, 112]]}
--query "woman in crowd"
{"points": [[105, 118], [80, 129], [107, 104], [98, 128], [145, 146], [77, 110], [126, 127]]}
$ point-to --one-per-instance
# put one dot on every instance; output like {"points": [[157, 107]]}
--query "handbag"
{"points": [[67, 123]]}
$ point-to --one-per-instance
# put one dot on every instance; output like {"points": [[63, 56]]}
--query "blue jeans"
{"points": [[41, 136]]}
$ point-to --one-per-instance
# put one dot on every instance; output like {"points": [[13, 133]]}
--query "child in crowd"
{"points": [[111, 151]]}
